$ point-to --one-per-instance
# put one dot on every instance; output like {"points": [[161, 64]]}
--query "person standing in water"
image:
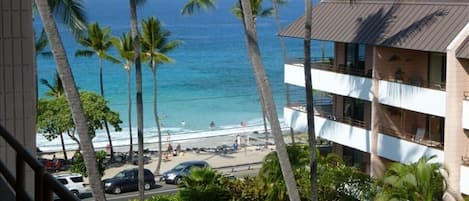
{"points": [[212, 124]]}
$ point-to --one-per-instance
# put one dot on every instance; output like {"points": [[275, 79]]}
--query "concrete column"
{"points": [[457, 80], [377, 166]]}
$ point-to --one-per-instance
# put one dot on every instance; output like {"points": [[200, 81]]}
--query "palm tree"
{"points": [[263, 87], [70, 13], [124, 46], [257, 10], [73, 97], [309, 101], [138, 78], [419, 181], [204, 184], [98, 43], [155, 45]]}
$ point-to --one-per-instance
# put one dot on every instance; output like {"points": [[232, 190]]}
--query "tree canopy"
{"points": [[54, 116]]}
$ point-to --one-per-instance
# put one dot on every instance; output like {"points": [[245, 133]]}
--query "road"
{"points": [[162, 188]]}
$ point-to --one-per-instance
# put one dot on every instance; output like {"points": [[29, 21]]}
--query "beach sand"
{"points": [[253, 153]]}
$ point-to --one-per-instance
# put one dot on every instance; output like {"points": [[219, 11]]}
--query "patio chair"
{"points": [[419, 134]]}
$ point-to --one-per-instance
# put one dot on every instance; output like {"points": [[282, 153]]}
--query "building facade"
{"points": [[396, 87], [17, 85]]}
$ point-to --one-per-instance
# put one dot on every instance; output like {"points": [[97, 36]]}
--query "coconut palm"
{"points": [[124, 46], [97, 42], [138, 78], [264, 90], [155, 45], [71, 13], [73, 97], [257, 10], [419, 181], [309, 101]]}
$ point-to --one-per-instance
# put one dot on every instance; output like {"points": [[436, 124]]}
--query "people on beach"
{"points": [[212, 124], [235, 145], [177, 151]]}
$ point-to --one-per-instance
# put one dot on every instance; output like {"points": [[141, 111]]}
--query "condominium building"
{"points": [[397, 86], [17, 91]]}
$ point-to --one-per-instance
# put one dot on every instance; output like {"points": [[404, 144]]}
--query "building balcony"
{"points": [[415, 98], [465, 111], [393, 145], [344, 131], [326, 77]]}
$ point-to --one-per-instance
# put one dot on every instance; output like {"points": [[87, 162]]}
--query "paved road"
{"points": [[162, 188]]}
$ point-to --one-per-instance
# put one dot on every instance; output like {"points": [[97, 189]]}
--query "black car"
{"points": [[127, 180], [176, 174]]}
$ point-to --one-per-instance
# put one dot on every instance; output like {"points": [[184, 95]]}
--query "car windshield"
{"points": [[180, 167], [119, 175]]}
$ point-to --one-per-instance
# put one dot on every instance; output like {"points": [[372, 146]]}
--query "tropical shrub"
{"points": [[204, 184], [78, 165], [419, 181], [161, 198]]}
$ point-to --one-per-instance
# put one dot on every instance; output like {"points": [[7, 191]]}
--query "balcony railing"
{"points": [[328, 115], [396, 132], [328, 65], [44, 183], [415, 81]]}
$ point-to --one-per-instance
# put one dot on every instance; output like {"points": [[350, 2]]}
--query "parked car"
{"points": [[127, 180], [73, 182], [176, 174], [146, 160]]}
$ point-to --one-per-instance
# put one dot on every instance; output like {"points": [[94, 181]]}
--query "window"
{"points": [[63, 181], [355, 56], [354, 109], [437, 70], [76, 179]]}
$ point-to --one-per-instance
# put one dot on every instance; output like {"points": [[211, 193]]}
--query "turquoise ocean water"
{"points": [[210, 80]]}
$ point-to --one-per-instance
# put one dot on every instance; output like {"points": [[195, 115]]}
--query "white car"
{"points": [[73, 182]]}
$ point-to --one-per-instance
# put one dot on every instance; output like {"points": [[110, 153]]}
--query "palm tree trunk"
{"points": [[309, 101], [106, 125], [63, 146], [131, 151], [73, 98], [157, 119], [138, 77], [269, 105]]}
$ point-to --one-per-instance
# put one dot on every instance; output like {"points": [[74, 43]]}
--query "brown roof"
{"points": [[420, 25]]}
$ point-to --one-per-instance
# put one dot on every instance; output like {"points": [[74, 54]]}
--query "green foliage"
{"points": [[162, 198], [336, 181], [125, 48], [204, 185], [257, 10], [54, 115], [247, 189], [97, 41], [155, 42], [78, 165], [192, 5], [421, 180]]}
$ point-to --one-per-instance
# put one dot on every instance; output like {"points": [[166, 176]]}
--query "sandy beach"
{"points": [[250, 151]]}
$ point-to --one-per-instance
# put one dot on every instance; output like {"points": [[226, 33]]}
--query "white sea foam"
{"points": [[151, 136]]}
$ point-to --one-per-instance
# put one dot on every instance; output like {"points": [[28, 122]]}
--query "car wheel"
{"points": [[75, 193], [147, 186], [177, 181], [117, 190]]}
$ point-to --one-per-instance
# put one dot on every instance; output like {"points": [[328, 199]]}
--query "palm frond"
{"points": [[195, 5], [111, 58], [84, 53], [71, 13]]}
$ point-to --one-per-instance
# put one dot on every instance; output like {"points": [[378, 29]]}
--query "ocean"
{"points": [[210, 80]]}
